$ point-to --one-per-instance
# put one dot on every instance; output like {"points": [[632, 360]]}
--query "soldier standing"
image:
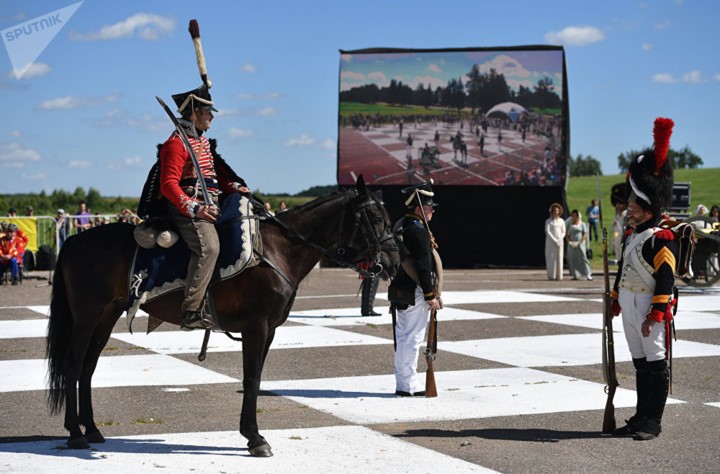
{"points": [[644, 286], [413, 292]]}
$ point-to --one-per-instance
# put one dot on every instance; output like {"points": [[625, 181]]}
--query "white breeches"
{"points": [[409, 336], [635, 307]]}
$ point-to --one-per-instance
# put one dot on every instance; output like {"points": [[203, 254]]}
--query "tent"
{"points": [[508, 109]]}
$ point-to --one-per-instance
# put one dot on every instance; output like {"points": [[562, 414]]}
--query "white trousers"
{"points": [[635, 307], [409, 336]]}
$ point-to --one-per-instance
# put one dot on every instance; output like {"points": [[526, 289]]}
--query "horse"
{"points": [[348, 227]]}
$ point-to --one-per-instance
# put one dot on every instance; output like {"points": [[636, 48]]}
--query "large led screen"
{"points": [[478, 117]]}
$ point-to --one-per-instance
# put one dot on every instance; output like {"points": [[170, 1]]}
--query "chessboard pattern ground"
{"points": [[507, 357]]}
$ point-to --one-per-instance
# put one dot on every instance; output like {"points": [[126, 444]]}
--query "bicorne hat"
{"points": [[195, 99], [650, 175], [423, 192]]}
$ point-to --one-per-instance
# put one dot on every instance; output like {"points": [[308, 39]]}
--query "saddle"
{"points": [[157, 271]]}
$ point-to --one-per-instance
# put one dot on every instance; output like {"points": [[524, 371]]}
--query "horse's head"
{"points": [[368, 233]]}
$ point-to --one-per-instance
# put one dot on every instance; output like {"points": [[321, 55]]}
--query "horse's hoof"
{"points": [[262, 451], [95, 437], [78, 443]]}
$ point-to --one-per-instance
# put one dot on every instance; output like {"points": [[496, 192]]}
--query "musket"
{"points": [[608, 339], [430, 352]]}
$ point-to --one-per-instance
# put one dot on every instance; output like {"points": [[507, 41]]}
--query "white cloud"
{"points": [[646, 46], [133, 161], [434, 68], [69, 102], [225, 113], [716, 77], [267, 111], [150, 123], [575, 36], [664, 78], [33, 70], [379, 77], [14, 155], [79, 164], [16, 133], [692, 77], [328, 144], [352, 75], [662, 26], [145, 26], [303, 140], [33, 177], [250, 68], [240, 132]]}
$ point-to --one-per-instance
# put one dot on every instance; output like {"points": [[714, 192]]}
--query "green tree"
{"points": [[682, 159], [584, 166]]}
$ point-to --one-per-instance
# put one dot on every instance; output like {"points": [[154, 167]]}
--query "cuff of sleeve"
{"points": [[614, 294], [657, 315], [429, 296], [193, 209]]}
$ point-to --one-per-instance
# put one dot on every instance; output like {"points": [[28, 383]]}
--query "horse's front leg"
{"points": [[254, 350]]}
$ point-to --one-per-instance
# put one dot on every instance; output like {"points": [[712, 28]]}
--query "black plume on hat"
{"points": [[195, 99], [650, 175]]}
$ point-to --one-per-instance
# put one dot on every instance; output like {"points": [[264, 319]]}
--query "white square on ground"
{"points": [[683, 320], [45, 310], [480, 297], [350, 317], [23, 328], [716, 405], [117, 371], [699, 303], [561, 350], [295, 451], [290, 337], [464, 394]]}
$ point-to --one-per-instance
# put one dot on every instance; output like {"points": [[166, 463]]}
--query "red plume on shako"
{"points": [[650, 175]]}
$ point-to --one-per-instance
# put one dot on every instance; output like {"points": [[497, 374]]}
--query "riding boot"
{"points": [[658, 384], [369, 289], [200, 319]]}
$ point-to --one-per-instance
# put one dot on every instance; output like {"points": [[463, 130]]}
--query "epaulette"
{"points": [[665, 234]]}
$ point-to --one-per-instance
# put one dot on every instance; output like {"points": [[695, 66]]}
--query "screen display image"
{"points": [[475, 117]]}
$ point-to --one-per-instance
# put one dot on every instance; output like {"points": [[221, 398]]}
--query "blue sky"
{"points": [[84, 113]]}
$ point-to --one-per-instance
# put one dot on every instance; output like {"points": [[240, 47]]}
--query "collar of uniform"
{"points": [[648, 224], [190, 129]]}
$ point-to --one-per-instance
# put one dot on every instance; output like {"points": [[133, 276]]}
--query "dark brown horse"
{"points": [[90, 292]]}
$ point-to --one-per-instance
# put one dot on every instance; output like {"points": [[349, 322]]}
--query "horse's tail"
{"points": [[57, 342]]}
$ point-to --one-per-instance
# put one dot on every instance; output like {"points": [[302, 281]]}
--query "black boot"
{"points": [[658, 382], [369, 289], [195, 320], [642, 387]]}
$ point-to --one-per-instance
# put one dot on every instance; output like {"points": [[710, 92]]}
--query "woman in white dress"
{"points": [[554, 239]]}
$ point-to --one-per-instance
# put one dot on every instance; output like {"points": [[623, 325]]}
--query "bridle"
{"points": [[347, 254]]}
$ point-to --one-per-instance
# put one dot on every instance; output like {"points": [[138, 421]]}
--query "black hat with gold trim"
{"points": [[195, 99], [650, 175]]}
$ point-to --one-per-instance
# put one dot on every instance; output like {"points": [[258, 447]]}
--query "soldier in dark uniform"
{"points": [[413, 292], [644, 286]]}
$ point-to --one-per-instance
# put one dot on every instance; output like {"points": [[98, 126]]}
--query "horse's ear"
{"points": [[360, 184]]}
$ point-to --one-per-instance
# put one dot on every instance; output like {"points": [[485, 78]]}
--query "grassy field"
{"points": [[352, 108], [704, 189]]}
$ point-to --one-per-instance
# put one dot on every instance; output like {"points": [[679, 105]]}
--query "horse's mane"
{"points": [[310, 205]]}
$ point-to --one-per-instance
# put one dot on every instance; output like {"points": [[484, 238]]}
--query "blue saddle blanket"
{"points": [[158, 270]]}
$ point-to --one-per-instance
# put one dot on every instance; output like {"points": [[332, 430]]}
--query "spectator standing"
{"points": [[554, 240], [82, 219], [576, 235], [11, 252], [62, 224], [593, 213]]}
